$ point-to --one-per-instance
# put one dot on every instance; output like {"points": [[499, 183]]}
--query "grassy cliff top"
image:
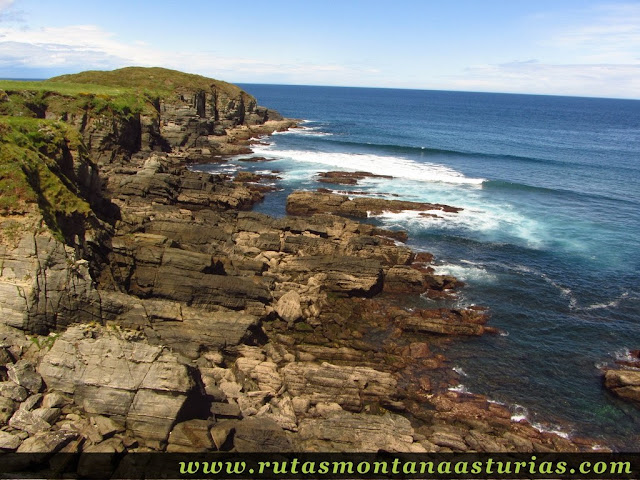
{"points": [[160, 80], [126, 90]]}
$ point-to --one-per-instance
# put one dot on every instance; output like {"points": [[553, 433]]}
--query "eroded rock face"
{"points": [[44, 285]]}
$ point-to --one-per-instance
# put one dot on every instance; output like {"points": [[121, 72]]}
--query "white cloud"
{"points": [[613, 36], [607, 80], [4, 4], [82, 47]]}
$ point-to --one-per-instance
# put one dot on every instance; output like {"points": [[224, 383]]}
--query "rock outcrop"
{"points": [[308, 203], [623, 380]]}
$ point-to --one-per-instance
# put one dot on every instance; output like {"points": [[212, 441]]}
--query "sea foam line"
{"points": [[381, 165]]}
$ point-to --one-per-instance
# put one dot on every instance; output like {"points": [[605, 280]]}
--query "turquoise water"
{"points": [[548, 238]]}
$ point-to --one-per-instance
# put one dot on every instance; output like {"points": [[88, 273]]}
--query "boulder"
{"points": [[288, 307], [24, 374], [625, 383]]}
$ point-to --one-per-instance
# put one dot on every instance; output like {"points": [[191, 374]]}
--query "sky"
{"points": [[582, 47]]}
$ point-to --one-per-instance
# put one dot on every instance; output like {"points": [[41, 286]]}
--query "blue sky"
{"points": [[588, 48]]}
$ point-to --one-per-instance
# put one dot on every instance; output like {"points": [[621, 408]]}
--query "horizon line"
{"points": [[24, 79]]}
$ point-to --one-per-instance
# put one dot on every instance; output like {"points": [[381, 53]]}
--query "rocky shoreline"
{"points": [[171, 318]]}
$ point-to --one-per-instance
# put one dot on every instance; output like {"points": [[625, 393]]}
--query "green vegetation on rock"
{"points": [[36, 161]]}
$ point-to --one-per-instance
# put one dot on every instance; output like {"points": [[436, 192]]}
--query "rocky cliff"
{"points": [[144, 308]]}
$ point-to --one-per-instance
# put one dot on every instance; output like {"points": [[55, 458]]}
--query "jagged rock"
{"points": [[350, 387], [264, 374], [153, 413], [13, 391], [221, 432], [446, 322], [5, 356], [342, 431], [24, 374], [55, 400], [44, 285], [28, 421], [449, 440], [46, 442], [404, 279], [9, 441], [225, 410], [31, 402]]}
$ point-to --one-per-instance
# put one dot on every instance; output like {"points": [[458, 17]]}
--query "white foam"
{"points": [[397, 167], [520, 414], [460, 388], [476, 274], [460, 371], [612, 304]]}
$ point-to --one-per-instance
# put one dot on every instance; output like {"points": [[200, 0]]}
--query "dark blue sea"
{"points": [[548, 238]]}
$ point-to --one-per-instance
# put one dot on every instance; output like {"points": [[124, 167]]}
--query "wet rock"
{"points": [[308, 203], [625, 383], [347, 178]]}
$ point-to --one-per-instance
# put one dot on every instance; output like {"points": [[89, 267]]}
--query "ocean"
{"points": [[548, 238]]}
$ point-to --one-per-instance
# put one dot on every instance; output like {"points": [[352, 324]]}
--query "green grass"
{"points": [[162, 81], [127, 91], [63, 88], [32, 174]]}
